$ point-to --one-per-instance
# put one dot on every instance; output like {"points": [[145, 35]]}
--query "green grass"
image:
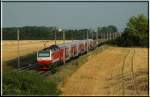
{"points": [[27, 83]]}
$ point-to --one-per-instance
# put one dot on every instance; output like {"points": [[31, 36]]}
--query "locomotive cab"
{"points": [[46, 56]]}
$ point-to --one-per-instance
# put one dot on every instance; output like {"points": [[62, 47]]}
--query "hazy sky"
{"points": [[71, 14]]}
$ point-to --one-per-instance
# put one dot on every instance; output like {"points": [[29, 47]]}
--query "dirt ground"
{"points": [[9, 48], [115, 71]]}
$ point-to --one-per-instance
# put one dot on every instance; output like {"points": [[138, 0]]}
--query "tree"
{"points": [[104, 29], [136, 32], [112, 28], [137, 25]]}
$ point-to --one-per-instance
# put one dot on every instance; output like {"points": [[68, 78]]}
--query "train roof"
{"points": [[66, 44], [51, 47], [73, 42]]}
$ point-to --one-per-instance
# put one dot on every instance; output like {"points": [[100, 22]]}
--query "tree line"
{"points": [[136, 33], [45, 33]]}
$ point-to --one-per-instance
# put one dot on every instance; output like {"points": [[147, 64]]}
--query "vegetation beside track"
{"points": [[63, 73], [32, 83], [27, 83]]}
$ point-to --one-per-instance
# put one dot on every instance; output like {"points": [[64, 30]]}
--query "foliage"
{"points": [[110, 28], [43, 32], [102, 30], [136, 32], [27, 83]]}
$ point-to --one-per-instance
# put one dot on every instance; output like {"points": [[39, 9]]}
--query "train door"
{"points": [[62, 55], [75, 51], [72, 51], [86, 46], [67, 55], [56, 54], [78, 49]]}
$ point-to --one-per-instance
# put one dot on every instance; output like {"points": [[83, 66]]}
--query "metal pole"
{"points": [[92, 34], [101, 35], [72, 35], [104, 35], [113, 35], [18, 49], [92, 38], [97, 38], [87, 40], [64, 36], [107, 35], [55, 36], [110, 35]]}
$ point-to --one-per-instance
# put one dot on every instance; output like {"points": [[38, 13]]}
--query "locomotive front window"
{"points": [[43, 54]]}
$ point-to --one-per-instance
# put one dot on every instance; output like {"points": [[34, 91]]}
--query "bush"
{"points": [[135, 34], [127, 40], [27, 83]]}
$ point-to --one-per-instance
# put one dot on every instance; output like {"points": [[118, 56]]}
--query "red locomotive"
{"points": [[63, 52]]}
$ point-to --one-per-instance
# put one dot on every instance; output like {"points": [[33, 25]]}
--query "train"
{"points": [[61, 53]]}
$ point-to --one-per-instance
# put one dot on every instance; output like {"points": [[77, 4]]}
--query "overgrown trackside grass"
{"points": [[27, 83], [24, 61]]}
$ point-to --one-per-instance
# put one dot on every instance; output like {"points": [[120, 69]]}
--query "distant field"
{"points": [[9, 48]]}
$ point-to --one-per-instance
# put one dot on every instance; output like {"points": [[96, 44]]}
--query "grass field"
{"points": [[104, 71], [115, 71]]}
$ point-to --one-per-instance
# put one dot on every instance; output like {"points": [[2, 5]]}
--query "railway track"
{"points": [[34, 67], [27, 67], [130, 57], [51, 70]]}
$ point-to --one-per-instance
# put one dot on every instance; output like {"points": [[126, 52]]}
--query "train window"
{"points": [[43, 54], [53, 48]]}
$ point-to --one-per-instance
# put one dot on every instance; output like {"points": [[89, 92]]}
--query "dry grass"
{"points": [[9, 48], [103, 74]]}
